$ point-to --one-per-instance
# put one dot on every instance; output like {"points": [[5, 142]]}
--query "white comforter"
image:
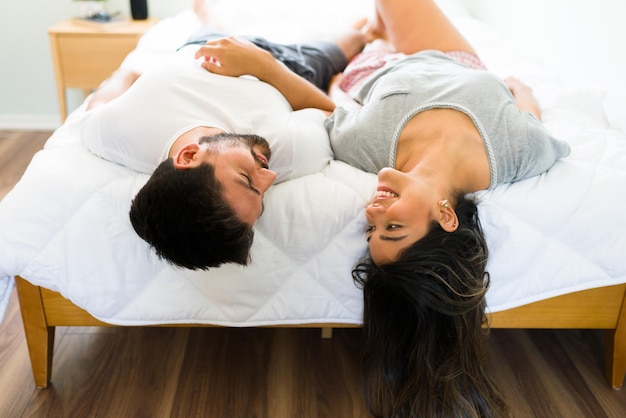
{"points": [[65, 226]]}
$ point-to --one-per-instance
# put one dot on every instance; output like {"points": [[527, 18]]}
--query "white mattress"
{"points": [[65, 225]]}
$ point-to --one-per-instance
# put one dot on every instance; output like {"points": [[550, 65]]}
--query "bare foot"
{"points": [[203, 9], [374, 29], [360, 24]]}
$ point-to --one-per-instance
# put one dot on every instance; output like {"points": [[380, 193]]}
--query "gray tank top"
{"points": [[517, 143]]}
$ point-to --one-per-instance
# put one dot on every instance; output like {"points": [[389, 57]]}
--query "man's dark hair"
{"points": [[183, 215]]}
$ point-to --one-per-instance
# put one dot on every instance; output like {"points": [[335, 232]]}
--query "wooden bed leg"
{"points": [[327, 333], [615, 350], [39, 336]]}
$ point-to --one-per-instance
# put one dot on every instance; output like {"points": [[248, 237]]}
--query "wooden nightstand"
{"points": [[83, 57]]}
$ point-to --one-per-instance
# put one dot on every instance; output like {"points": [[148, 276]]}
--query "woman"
{"points": [[424, 115], [454, 130]]}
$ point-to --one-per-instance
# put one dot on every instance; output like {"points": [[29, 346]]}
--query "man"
{"points": [[205, 139]]}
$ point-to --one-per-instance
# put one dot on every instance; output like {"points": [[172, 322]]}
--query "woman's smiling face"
{"points": [[399, 215]]}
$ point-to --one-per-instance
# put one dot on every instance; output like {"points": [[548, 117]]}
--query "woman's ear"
{"points": [[447, 217], [187, 156]]}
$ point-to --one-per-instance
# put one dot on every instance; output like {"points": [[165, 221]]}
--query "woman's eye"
{"points": [[392, 227], [368, 231]]}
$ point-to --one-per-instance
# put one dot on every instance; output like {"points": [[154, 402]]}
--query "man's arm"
{"points": [[236, 57], [112, 87]]}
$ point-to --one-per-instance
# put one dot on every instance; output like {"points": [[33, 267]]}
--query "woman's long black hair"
{"points": [[424, 325]]}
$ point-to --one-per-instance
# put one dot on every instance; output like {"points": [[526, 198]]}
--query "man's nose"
{"points": [[265, 179]]}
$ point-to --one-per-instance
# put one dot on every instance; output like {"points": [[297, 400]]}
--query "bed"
{"points": [[557, 241]]}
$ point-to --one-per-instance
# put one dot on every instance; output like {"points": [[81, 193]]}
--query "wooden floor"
{"points": [[273, 373]]}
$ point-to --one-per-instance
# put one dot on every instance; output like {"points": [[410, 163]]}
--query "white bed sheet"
{"points": [[65, 225]]}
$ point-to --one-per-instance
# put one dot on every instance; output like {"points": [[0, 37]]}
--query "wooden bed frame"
{"points": [[600, 308]]}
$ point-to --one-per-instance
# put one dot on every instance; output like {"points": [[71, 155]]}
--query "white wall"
{"points": [[585, 37], [584, 40]]}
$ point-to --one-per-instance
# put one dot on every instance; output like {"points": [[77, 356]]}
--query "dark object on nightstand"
{"points": [[139, 9]]}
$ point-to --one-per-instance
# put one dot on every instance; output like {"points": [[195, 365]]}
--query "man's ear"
{"points": [[187, 156], [447, 217]]}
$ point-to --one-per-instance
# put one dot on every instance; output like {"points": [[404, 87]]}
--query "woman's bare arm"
{"points": [[236, 57]]}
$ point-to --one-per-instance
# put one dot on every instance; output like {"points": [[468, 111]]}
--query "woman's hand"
{"points": [[235, 57], [523, 95], [340, 97]]}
